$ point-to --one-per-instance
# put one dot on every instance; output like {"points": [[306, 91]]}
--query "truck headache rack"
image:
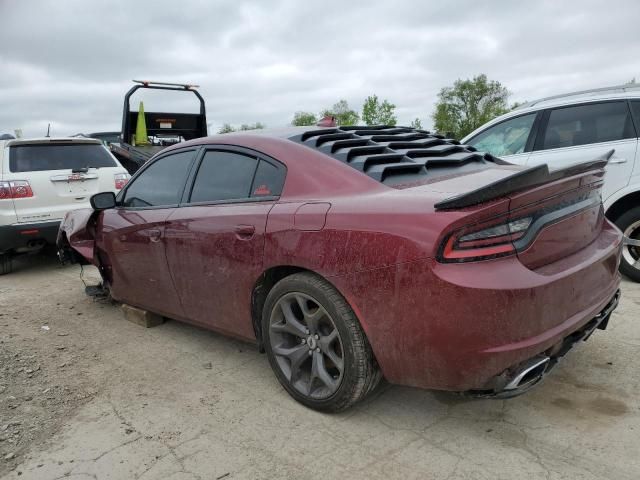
{"points": [[186, 125], [165, 128], [395, 155]]}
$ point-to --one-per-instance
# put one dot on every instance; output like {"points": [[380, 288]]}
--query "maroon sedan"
{"points": [[352, 253]]}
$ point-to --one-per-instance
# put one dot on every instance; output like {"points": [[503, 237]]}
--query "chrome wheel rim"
{"points": [[631, 252], [306, 345]]}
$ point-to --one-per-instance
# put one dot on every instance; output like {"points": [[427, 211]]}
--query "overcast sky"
{"points": [[70, 62]]}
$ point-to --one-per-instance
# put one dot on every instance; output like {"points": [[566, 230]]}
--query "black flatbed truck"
{"points": [[163, 128]]}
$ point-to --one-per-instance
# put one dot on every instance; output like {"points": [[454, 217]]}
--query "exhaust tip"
{"points": [[529, 374]]}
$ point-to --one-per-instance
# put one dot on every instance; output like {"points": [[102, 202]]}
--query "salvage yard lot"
{"points": [[92, 396]]}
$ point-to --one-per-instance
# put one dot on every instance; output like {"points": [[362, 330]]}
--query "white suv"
{"points": [[577, 127], [42, 179]]}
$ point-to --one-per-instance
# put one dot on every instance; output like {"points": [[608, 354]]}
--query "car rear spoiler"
{"points": [[527, 178]]}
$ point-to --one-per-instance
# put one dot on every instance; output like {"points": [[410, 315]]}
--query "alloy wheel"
{"points": [[631, 247], [307, 345]]}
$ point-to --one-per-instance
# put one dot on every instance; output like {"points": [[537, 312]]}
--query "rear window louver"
{"points": [[394, 155]]}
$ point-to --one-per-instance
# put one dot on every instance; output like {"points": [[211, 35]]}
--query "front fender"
{"points": [[77, 232]]}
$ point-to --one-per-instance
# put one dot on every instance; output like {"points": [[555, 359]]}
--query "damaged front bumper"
{"points": [[520, 378]]}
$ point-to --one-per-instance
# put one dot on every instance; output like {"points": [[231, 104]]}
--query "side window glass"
{"points": [[506, 138], [161, 183], [585, 124], [268, 181], [223, 176]]}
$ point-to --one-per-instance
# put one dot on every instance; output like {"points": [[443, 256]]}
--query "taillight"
{"points": [[478, 243], [121, 180], [15, 189]]}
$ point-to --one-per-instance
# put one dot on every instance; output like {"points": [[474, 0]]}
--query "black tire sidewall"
{"points": [[305, 283], [6, 264], [622, 222]]}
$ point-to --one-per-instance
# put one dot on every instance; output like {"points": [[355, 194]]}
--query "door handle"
{"points": [[617, 160], [244, 232], [154, 235]]}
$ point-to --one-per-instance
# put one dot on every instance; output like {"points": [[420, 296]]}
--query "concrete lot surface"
{"points": [[92, 396]]}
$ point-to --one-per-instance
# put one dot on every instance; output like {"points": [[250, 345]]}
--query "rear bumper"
{"points": [[25, 236], [520, 378], [459, 326]]}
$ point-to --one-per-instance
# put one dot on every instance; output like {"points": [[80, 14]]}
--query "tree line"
{"points": [[459, 109]]}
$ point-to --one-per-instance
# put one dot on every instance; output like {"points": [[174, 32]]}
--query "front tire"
{"points": [[315, 344], [629, 223], [6, 263]]}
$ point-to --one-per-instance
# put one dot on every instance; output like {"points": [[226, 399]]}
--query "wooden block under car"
{"points": [[142, 317]]}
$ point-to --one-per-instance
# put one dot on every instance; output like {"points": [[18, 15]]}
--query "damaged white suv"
{"points": [[41, 180]]}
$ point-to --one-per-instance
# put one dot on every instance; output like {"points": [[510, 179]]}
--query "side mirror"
{"points": [[103, 201]]}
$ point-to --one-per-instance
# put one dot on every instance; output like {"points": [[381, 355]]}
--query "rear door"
{"points": [[62, 175], [132, 241], [215, 241], [579, 133]]}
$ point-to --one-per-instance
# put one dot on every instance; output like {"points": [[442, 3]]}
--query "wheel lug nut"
{"points": [[318, 349], [317, 336], [307, 330], [310, 352], [303, 341]]}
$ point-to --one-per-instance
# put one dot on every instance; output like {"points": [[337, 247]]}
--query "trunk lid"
{"points": [[568, 216]]}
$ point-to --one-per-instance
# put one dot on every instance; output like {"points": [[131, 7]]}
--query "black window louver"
{"points": [[391, 154]]}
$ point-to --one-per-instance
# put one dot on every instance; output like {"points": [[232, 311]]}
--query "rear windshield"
{"points": [[36, 158]]}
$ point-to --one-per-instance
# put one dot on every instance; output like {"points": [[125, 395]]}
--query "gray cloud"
{"points": [[70, 62]]}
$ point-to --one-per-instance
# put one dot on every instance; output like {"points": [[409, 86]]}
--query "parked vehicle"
{"points": [[354, 252], [107, 138], [164, 129], [40, 180], [566, 129]]}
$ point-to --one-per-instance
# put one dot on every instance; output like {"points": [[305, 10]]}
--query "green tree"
{"points": [[468, 104], [375, 112], [226, 128], [301, 119], [344, 115], [416, 123], [252, 126]]}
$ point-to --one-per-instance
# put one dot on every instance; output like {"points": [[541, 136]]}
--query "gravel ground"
{"points": [[86, 394]]}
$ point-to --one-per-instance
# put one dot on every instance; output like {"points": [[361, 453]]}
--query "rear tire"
{"points": [[6, 264], [315, 344], [629, 223]]}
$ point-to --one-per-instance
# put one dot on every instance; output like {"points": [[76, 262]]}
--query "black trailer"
{"points": [[163, 128]]}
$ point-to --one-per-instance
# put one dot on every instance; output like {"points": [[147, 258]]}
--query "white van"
{"points": [[40, 180], [578, 127]]}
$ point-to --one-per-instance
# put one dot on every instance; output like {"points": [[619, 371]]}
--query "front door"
{"points": [[134, 235], [508, 139], [215, 241]]}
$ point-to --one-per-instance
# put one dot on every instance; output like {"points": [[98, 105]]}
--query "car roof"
{"points": [[631, 90], [51, 141], [385, 153], [283, 132]]}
